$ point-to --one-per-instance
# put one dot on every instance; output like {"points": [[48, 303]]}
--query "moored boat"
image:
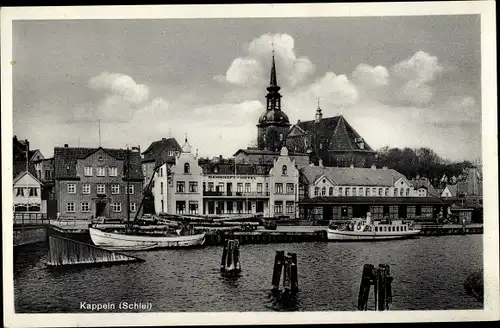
{"points": [[368, 229], [117, 240]]}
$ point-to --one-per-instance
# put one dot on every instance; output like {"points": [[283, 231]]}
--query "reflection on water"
{"points": [[428, 274]]}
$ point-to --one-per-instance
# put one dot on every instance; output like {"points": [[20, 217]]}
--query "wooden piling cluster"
{"points": [[287, 264], [64, 251], [230, 261], [381, 280]]}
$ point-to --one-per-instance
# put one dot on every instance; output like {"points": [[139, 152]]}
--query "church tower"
{"points": [[273, 124]]}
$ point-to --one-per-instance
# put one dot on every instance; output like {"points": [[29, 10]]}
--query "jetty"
{"points": [[64, 252]]}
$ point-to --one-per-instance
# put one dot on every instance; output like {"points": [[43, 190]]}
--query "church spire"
{"points": [[319, 114], [273, 96]]}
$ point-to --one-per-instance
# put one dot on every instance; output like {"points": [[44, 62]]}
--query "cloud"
{"points": [[229, 114], [332, 90], [120, 85], [370, 77], [455, 112], [412, 77], [253, 69]]}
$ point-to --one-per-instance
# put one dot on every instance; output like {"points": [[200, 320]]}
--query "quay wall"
{"points": [[29, 235]]}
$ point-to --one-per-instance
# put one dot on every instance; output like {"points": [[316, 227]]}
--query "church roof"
{"points": [[65, 160], [335, 132], [353, 176]]}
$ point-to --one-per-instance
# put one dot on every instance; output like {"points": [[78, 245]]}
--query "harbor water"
{"points": [[428, 272]]}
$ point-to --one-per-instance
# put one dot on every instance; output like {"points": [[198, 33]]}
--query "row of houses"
{"points": [[283, 176]]}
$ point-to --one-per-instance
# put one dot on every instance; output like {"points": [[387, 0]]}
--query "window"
{"points": [[289, 207], [259, 187], [113, 171], [162, 208], [70, 207], [316, 191], [380, 191], [221, 186], [361, 192], [367, 191], [340, 191], [239, 187], [193, 207], [407, 191], [229, 207], [248, 187], [117, 207], [395, 191], [181, 186], [160, 173], [161, 188], [387, 191], [281, 136], [278, 207], [20, 192], [133, 207], [130, 189], [87, 171], [33, 192], [193, 186], [249, 207], [289, 188], [115, 189], [401, 191], [71, 188], [47, 174], [323, 191], [283, 170], [210, 186], [347, 191], [330, 191], [374, 191], [101, 189], [86, 189], [354, 191], [85, 207], [267, 187], [239, 206], [278, 188], [187, 168], [101, 171], [376, 229]]}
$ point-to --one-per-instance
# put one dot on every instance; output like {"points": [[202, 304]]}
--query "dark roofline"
{"points": [[373, 200]]}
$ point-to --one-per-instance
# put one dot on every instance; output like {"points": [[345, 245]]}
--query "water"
{"points": [[428, 275]]}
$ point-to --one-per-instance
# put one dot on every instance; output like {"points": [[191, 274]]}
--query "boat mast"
{"points": [[128, 186]]}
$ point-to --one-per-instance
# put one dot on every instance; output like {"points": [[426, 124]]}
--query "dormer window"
{"points": [[100, 158], [284, 170], [187, 168]]}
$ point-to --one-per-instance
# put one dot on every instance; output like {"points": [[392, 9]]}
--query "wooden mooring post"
{"points": [[230, 262], [287, 264], [381, 280]]}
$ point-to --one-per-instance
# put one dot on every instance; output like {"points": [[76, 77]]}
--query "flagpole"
{"points": [[27, 187]]}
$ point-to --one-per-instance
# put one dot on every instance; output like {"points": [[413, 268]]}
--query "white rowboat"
{"points": [[113, 240]]}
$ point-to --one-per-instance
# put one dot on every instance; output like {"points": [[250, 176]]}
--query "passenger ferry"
{"points": [[368, 229]]}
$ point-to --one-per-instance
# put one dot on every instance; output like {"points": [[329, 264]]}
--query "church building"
{"points": [[332, 139]]}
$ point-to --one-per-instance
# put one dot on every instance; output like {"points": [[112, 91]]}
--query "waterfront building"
{"points": [[23, 157], [94, 182], [225, 187], [338, 193], [159, 152], [27, 194]]}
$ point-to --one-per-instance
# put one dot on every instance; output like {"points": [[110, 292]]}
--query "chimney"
{"points": [[320, 163], [65, 145], [374, 167]]}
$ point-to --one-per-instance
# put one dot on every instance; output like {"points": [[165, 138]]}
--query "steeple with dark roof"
{"points": [[273, 124], [273, 96]]}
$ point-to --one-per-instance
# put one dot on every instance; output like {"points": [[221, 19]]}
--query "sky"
{"points": [[399, 81]]}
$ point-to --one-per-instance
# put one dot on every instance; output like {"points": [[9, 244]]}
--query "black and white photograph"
{"points": [[247, 164]]}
